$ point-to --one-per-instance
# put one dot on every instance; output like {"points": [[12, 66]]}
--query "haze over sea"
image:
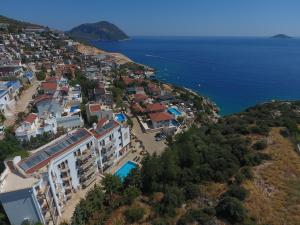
{"points": [[233, 72]]}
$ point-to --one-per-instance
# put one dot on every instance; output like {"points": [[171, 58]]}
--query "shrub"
{"points": [[134, 214], [231, 209], [237, 192], [130, 194], [260, 145], [194, 215], [191, 191]]}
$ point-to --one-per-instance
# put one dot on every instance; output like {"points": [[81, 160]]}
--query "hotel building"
{"points": [[37, 188]]}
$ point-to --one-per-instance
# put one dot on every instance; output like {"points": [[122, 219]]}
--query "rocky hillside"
{"points": [[103, 31]]}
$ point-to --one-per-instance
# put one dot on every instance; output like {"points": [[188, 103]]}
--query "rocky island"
{"points": [[281, 36], [99, 31]]}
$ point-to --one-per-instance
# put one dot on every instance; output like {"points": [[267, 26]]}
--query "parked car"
{"points": [[160, 136]]}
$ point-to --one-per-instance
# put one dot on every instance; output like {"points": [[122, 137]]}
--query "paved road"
{"points": [[21, 104], [148, 139]]}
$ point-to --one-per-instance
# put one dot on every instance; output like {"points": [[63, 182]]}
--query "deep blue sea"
{"points": [[233, 72]]}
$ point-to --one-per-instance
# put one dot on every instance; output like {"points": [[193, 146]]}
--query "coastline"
{"points": [[123, 59]]}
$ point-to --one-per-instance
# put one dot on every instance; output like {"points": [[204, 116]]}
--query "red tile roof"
{"points": [[140, 97], [49, 86], [95, 107], [160, 116], [156, 107], [137, 108], [30, 118], [127, 80]]}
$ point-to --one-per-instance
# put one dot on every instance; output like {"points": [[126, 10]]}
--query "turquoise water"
{"points": [[120, 117], [234, 72], [174, 111], [125, 169]]}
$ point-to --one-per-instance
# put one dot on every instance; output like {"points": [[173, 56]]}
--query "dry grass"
{"points": [[275, 190], [117, 217]]}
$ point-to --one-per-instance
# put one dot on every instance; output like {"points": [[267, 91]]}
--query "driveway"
{"points": [[21, 104], [148, 139]]}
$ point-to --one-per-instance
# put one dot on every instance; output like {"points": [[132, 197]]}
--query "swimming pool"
{"points": [[120, 117], [174, 111], [125, 169]]}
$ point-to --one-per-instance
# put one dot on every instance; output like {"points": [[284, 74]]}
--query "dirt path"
{"points": [[21, 104]]}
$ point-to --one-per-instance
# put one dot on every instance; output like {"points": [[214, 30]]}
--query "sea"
{"points": [[234, 72]]}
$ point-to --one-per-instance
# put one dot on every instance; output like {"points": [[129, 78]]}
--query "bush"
{"points": [[260, 145], [134, 214], [191, 191], [160, 222], [237, 192], [130, 194], [194, 215], [231, 209], [172, 199]]}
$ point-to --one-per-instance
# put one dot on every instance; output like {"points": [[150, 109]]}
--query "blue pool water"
{"points": [[174, 111], [120, 117], [235, 72], [125, 169], [74, 108]]}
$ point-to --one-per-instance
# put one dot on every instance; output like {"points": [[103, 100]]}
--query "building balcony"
{"points": [[65, 170], [85, 155], [66, 178], [106, 152], [86, 165], [88, 181]]}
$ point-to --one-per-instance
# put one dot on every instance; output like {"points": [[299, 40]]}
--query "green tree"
{"points": [[130, 194], [231, 209], [112, 184], [134, 214], [237, 191]]}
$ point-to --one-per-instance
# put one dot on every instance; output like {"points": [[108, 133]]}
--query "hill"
{"points": [[281, 36], [103, 31], [16, 23], [242, 170]]}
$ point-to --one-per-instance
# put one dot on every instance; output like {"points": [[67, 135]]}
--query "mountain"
{"points": [[103, 31], [281, 36]]}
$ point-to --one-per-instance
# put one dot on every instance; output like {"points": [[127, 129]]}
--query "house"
{"points": [[11, 71], [139, 90], [70, 122], [96, 109], [4, 100], [139, 98], [13, 88], [127, 80], [49, 87], [155, 107], [29, 77], [161, 120], [33, 126], [46, 104], [102, 95]]}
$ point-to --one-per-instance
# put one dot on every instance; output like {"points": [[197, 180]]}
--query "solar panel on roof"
{"points": [[47, 152]]}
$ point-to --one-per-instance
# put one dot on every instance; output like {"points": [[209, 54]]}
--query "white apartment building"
{"points": [[37, 189]]}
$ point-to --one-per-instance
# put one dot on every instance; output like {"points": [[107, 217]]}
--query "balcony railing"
{"points": [[87, 153], [88, 181], [86, 165]]}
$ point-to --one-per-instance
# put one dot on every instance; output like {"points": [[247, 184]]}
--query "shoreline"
{"points": [[89, 48]]}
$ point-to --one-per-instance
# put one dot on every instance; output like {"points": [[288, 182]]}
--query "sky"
{"points": [[165, 17]]}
